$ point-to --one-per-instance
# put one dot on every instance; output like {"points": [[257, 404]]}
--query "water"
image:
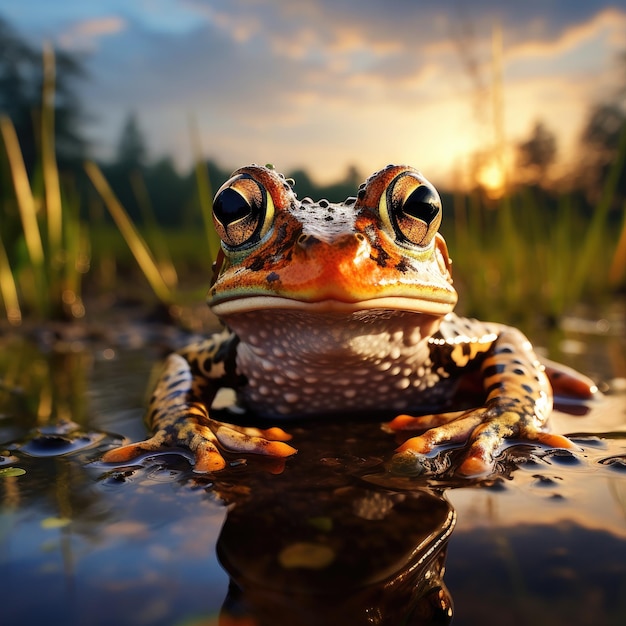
{"points": [[334, 538]]}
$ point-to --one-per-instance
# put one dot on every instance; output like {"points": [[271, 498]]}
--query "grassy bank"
{"points": [[515, 260], [530, 255]]}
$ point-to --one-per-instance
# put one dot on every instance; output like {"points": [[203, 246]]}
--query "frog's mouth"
{"points": [[236, 306], [345, 277]]}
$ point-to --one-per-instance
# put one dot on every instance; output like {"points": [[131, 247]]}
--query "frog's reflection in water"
{"points": [[340, 554]]}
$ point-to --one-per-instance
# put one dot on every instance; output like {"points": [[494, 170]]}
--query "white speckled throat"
{"points": [[301, 362]]}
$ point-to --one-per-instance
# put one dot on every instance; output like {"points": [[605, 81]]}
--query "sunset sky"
{"points": [[324, 84]]}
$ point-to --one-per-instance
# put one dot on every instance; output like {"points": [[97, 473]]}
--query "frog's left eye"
{"points": [[242, 211], [411, 209]]}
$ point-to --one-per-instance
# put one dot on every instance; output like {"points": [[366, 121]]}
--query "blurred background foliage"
{"points": [[524, 244]]}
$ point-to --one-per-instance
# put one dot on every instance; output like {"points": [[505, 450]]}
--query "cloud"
{"points": [[609, 22], [84, 35], [559, 79], [325, 83]]}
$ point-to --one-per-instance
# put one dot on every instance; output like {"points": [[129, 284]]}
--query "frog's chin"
{"points": [[249, 304]]}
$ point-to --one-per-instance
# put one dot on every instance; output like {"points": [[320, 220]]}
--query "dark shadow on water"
{"points": [[324, 540], [344, 555], [333, 537], [561, 574]]}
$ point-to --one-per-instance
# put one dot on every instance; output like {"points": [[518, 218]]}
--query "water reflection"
{"points": [[43, 389], [337, 553], [328, 539], [318, 543], [335, 538]]}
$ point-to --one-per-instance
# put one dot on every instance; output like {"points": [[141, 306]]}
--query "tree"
{"points": [[21, 80], [602, 139], [131, 150], [169, 192], [603, 129], [537, 154], [600, 142]]}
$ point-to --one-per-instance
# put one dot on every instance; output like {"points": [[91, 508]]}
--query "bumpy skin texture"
{"points": [[517, 406], [179, 416], [346, 308]]}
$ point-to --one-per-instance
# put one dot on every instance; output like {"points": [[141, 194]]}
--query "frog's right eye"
{"points": [[410, 208], [243, 211]]}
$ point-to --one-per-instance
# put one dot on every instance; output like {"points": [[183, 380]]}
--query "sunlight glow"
{"points": [[377, 86], [492, 178]]}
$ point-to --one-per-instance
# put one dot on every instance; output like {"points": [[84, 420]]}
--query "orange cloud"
{"points": [[609, 20], [84, 35]]}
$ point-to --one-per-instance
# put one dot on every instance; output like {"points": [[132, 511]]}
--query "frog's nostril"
{"points": [[306, 241], [363, 247]]}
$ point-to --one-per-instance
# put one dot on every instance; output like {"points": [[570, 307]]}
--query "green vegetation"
{"points": [[11, 472], [67, 228], [43, 247], [531, 256], [535, 253]]}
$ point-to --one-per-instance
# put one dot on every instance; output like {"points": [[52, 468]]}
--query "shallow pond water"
{"points": [[336, 536]]}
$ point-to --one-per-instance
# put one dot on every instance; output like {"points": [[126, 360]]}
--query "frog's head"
{"points": [[379, 250]]}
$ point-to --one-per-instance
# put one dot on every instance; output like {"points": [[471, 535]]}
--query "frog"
{"points": [[340, 310]]}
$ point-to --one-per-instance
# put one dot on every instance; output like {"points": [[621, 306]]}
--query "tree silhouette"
{"points": [[603, 129], [601, 137], [131, 150], [537, 154], [600, 141], [21, 80]]}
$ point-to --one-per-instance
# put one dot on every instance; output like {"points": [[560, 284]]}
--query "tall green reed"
{"points": [[154, 258], [46, 279], [531, 255], [135, 241], [205, 192], [516, 257]]}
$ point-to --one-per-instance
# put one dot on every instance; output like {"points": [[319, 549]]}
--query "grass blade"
{"points": [[27, 210], [205, 193], [52, 187], [23, 193], [134, 240], [8, 289], [594, 240], [617, 271], [153, 233]]}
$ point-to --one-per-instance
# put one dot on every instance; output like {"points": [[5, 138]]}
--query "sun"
{"points": [[492, 178]]}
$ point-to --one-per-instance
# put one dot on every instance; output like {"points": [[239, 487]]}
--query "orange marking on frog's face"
{"points": [[380, 250]]}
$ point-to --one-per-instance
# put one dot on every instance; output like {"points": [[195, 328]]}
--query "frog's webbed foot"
{"points": [[485, 430], [207, 457], [205, 438], [179, 418]]}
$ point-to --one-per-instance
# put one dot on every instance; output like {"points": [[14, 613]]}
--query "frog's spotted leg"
{"points": [[568, 383], [519, 401], [179, 417]]}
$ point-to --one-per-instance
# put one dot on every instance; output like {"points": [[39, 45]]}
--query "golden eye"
{"points": [[410, 208], [243, 211]]}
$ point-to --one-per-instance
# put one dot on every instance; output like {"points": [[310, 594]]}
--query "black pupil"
{"points": [[422, 204], [230, 206]]}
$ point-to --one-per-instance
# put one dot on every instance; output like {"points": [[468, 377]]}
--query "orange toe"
{"points": [[276, 434], [208, 461], [404, 422], [556, 441], [415, 444], [123, 454], [474, 466], [278, 448]]}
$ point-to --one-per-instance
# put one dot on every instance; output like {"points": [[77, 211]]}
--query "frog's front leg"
{"points": [[518, 403], [178, 413]]}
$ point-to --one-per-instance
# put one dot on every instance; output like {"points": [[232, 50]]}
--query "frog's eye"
{"points": [[411, 209], [242, 211]]}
